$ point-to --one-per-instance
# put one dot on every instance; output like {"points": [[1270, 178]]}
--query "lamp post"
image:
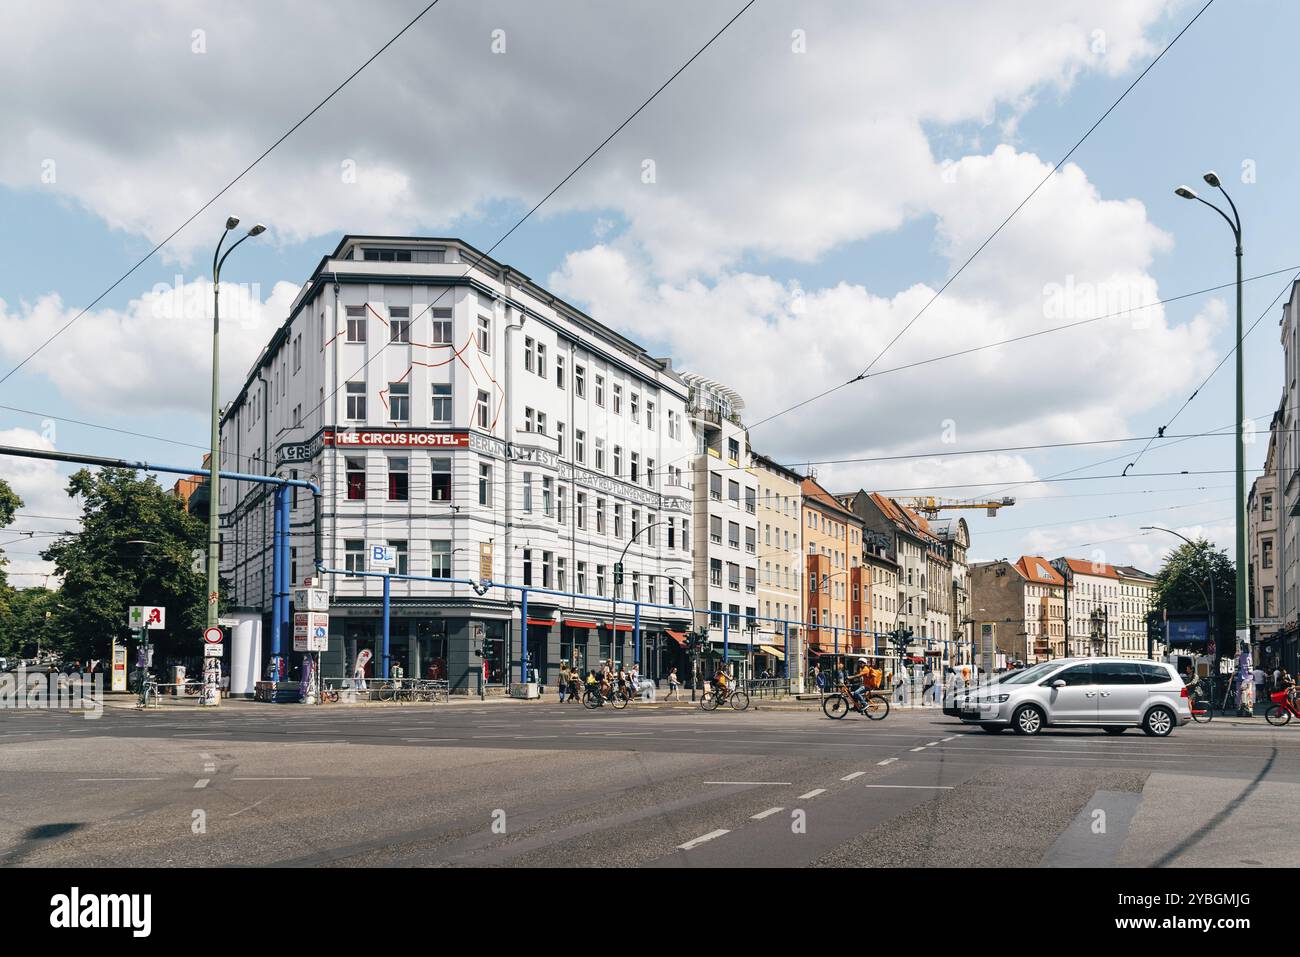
{"points": [[1243, 575], [214, 463]]}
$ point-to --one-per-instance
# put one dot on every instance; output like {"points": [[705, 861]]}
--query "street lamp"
{"points": [[214, 464], [1243, 575]]}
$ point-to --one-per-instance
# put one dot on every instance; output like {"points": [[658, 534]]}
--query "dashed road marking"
{"points": [[201, 783], [249, 808], [768, 813], [918, 749], [696, 842], [748, 782], [932, 744], [812, 794], [913, 787], [887, 761], [953, 738], [271, 779], [855, 774], [119, 779]]}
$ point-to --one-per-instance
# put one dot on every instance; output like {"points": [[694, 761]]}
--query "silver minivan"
{"points": [[1108, 693]]}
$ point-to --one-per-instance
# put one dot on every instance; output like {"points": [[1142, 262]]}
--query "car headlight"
{"points": [[995, 699]]}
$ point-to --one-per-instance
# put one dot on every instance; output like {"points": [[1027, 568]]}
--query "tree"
{"points": [[10, 503], [137, 546], [1188, 566], [25, 622]]}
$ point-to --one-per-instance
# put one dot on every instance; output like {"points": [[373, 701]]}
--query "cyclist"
{"points": [[720, 683], [868, 679]]}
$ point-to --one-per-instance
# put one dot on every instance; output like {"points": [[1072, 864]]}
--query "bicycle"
{"points": [[150, 688], [329, 695], [738, 700], [593, 698], [1282, 710], [1200, 702], [840, 702]]}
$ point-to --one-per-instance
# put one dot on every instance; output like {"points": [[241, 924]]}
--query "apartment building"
{"points": [[882, 577], [1136, 600], [833, 594], [480, 428], [780, 565], [726, 519], [1025, 601], [954, 534], [1093, 614], [1262, 509]]}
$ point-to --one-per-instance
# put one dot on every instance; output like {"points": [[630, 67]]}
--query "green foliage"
{"points": [[1190, 566], [9, 504], [137, 546], [24, 622]]}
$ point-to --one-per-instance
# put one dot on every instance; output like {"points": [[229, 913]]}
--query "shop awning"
{"points": [[777, 653], [575, 623], [676, 636], [619, 627], [545, 622]]}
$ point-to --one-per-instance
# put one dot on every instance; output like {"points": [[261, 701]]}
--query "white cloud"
{"points": [[749, 140], [42, 485], [155, 352]]}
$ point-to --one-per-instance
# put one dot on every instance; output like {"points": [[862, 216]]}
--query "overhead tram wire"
{"points": [[241, 457], [979, 249], [221, 192]]}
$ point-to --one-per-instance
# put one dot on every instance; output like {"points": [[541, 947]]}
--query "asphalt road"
{"points": [[521, 784]]}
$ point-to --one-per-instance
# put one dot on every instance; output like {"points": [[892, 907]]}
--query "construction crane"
{"points": [[929, 506]]}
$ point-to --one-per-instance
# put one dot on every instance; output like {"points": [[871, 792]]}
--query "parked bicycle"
{"points": [[715, 697], [840, 702], [1282, 710]]}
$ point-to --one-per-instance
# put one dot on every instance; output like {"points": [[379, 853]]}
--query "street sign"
{"points": [[153, 617], [381, 556], [485, 561], [311, 631], [213, 651], [227, 622], [213, 635], [311, 599]]}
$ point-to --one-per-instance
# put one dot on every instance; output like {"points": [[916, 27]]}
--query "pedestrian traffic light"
{"points": [[618, 573]]}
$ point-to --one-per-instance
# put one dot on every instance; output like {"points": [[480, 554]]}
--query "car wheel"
{"points": [[1158, 722], [993, 728], [1028, 720], [1114, 730]]}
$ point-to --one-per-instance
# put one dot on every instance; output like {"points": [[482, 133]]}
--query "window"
{"points": [[580, 512], [618, 520], [733, 534], [750, 534], [600, 390], [297, 353], [354, 555], [440, 478], [733, 449], [715, 572], [387, 255], [733, 492], [650, 415], [485, 334], [528, 566], [356, 477], [559, 372], [559, 504], [528, 491], [600, 579], [1266, 553], [541, 359], [399, 401], [484, 483], [580, 446], [636, 522], [399, 324], [548, 486], [440, 558], [356, 323], [442, 402], [618, 461], [751, 499], [715, 486], [482, 413], [399, 479], [530, 419], [528, 353], [582, 577], [400, 553], [579, 382], [541, 423], [356, 403], [618, 398], [561, 579], [441, 331], [297, 416], [600, 516], [636, 468], [559, 438], [634, 401], [600, 455]]}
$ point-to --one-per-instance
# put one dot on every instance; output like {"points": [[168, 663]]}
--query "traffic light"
{"points": [[618, 573]]}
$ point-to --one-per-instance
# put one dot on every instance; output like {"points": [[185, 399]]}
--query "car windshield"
{"points": [[1028, 675]]}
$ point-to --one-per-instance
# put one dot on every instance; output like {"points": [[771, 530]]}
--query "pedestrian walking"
{"points": [[672, 686], [564, 681]]}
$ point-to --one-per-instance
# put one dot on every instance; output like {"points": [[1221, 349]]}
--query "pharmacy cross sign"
{"points": [[153, 617]]}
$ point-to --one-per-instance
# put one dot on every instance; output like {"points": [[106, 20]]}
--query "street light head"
{"points": [[257, 230], [232, 222], [1185, 193], [1212, 178]]}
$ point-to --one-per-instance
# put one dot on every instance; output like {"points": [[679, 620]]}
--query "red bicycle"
{"points": [[1283, 709]]}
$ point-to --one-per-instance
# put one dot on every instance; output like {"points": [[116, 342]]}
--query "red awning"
{"points": [[575, 623], [676, 636], [546, 622], [618, 627]]}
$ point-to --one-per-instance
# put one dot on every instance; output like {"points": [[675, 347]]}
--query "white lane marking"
{"points": [[918, 749], [119, 779], [249, 808], [913, 787], [205, 755], [812, 794], [748, 782], [428, 739], [696, 842], [932, 744], [953, 738], [887, 761], [271, 779], [201, 783], [768, 813], [855, 774]]}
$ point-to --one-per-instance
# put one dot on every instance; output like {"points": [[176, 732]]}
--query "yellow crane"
{"points": [[929, 506]]}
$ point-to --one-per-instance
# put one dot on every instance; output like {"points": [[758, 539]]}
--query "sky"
{"points": [[779, 218]]}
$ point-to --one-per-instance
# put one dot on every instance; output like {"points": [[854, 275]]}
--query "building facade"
{"points": [[882, 576], [1263, 512], [726, 519], [1025, 601], [954, 533], [832, 539], [780, 563], [1136, 601], [1093, 615], [480, 428]]}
